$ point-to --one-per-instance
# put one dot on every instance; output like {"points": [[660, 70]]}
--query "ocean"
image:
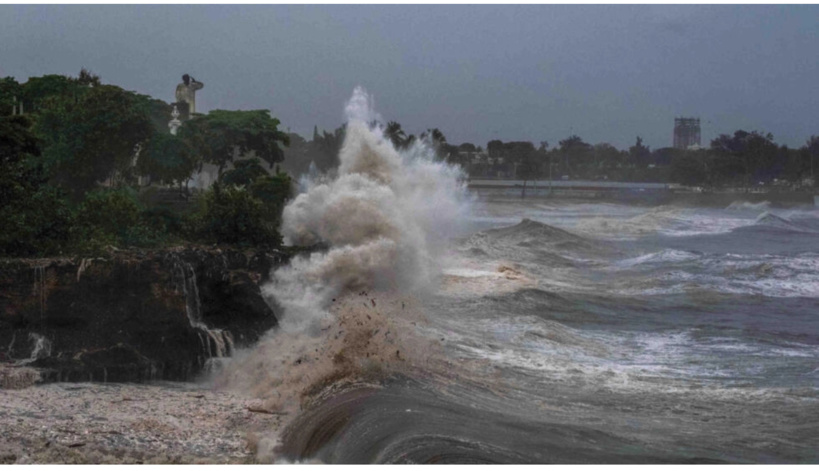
{"points": [[440, 326], [576, 332]]}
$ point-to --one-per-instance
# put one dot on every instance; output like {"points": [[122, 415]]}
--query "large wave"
{"points": [[385, 218]]}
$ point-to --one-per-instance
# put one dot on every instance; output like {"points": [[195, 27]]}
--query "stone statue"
{"points": [[186, 91]]}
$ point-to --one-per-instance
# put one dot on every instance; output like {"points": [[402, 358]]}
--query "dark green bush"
{"points": [[273, 192], [231, 215], [244, 172], [114, 217], [36, 225], [35, 219], [165, 220]]}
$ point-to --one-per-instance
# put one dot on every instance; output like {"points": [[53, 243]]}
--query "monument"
{"points": [[186, 92], [174, 123]]}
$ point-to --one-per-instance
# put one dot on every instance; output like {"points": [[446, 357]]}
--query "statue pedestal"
{"points": [[174, 123]]}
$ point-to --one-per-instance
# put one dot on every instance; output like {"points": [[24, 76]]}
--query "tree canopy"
{"points": [[167, 159], [90, 136], [68, 166], [221, 136]]}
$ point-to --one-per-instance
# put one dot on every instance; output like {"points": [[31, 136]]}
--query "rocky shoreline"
{"points": [[131, 316], [167, 422]]}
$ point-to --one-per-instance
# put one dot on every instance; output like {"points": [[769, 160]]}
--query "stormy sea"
{"points": [[443, 326], [434, 324]]}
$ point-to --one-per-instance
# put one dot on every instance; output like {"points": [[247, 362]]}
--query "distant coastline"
{"points": [[637, 192]]}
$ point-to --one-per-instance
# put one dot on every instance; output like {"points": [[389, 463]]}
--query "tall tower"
{"points": [[686, 132]]}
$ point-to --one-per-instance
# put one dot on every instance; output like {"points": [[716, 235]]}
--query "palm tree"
{"points": [[435, 136], [395, 134]]}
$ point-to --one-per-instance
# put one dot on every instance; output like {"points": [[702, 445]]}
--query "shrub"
{"points": [[39, 224], [114, 217], [231, 215], [34, 218], [273, 192]]}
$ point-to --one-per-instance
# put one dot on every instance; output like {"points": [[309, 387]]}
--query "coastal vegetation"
{"points": [[86, 166], [742, 159]]}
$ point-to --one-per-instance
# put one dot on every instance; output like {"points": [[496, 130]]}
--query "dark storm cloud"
{"points": [[607, 73]]}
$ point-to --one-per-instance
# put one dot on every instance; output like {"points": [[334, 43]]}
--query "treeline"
{"points": [[740, 160], [76, 157], [744, 159], [82, 162]]}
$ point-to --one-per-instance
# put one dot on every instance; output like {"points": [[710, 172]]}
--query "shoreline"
{"points": [[162, 422], [644, 196]]}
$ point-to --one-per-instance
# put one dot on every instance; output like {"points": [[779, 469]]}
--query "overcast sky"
{"points": [[540, 72]]}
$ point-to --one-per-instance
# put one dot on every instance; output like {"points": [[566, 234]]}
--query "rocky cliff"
{"points": [[133, 316]]}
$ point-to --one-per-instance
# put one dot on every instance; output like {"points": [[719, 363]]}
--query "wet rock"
{"points": [[133, 316], [17, 378]]}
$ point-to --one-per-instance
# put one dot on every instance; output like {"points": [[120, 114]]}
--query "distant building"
{"points": [[686, 133]]}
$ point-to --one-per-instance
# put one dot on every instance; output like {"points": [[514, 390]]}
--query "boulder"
{"points": [[133, 315]]}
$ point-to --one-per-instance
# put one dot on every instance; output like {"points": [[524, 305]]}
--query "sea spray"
{"points": [[386, 216]]}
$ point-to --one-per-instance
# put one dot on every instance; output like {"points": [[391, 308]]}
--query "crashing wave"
{"points": [[746, 205], [771, 220], [527, 237], [385, 218]]}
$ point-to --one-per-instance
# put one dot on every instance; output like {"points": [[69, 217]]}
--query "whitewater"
{"points": [[433, 326]]}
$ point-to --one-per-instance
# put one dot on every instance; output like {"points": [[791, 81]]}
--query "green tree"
{"points": [[92, 136], [10, 93], [38, 91], [665, 155], [88, 78], [745, 157], [395, 134], [167, 158], [467, 147], [297, 156], [530, 161], [35, 218], [159, 113], [324, 149], [687, 169], [232, 215], [639, 154], [575, 153], [244, 172], [435, 138], [111, 216], [221, 136], [273, 191]]}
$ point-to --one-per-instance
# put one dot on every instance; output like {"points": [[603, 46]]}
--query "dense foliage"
{"points": [[743, 160], [85, 166], [35, 218], [90, 136], [89, 166], [232, 215], [221, 135]]}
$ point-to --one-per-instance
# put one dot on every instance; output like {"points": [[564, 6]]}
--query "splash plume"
{"points": [[384, 217]]}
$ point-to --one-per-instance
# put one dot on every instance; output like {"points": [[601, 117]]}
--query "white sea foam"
{"points": [[661, 257], [385, 218], [663, 220], [745, 205]]}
